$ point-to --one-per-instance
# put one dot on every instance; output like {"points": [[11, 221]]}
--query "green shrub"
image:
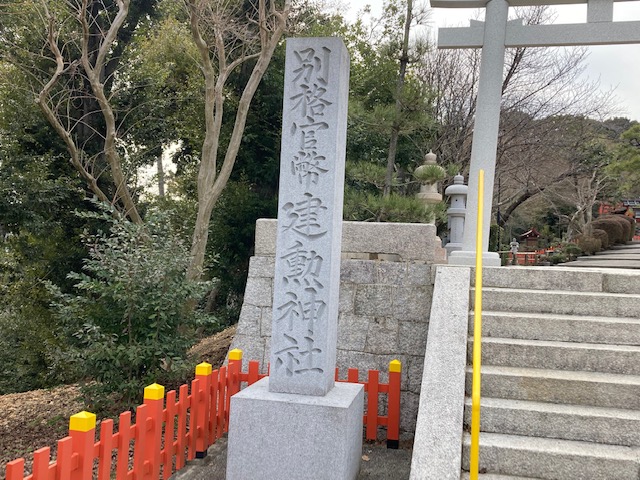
{"points": [[133, 316], [373, 207], [626, 227], [572, 250], [614, 229], [231, 240], [496, 236], [558, 257], [30, 337], [565, 252], [589, 245], [602, 236], [632, 226]]}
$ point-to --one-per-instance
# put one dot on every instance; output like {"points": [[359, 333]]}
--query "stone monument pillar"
{"points": [[298, 423]]}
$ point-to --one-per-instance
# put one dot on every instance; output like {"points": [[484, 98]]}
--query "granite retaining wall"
{"points": [[386, 284]]}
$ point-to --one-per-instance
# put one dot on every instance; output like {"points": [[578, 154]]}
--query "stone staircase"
{"points": [[560, 375]]}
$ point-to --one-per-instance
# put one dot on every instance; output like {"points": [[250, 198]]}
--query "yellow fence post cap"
{"points": [[82, 422], [203, 368], [154, 392], [235, 354], [395, 366]]}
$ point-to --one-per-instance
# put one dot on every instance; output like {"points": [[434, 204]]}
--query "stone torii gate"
{"points": [[493, 36]]}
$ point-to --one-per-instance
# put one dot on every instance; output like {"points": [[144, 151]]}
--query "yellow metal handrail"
{"points": [[477, 340]]}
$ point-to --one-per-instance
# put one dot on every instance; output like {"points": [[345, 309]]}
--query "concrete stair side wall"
{"points": [[436, 448], [384, 306]]}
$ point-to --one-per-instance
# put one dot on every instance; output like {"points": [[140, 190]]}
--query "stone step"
{"points": [[589, 357], [562, 278], [491, 476], [562, 302], [545, 326], [549, 420], [552, 459], [559, 386]]}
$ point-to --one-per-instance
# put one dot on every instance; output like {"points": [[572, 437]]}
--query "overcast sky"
{"points": [[614, 66]]}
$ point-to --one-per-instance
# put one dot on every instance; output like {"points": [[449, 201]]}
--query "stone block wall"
{"points": [[384, 305]]}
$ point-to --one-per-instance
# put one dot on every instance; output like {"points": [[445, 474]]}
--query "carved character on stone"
{"points": [[303, 266], [308, 310], [311, 63], [299, 357], [304, 217]]}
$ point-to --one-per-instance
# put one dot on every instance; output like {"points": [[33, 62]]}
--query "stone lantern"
{"points": [[457, 192], [429, 174]]}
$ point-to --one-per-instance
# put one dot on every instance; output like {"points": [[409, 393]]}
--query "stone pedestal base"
{"points": [[281, 436], [462, 257]]}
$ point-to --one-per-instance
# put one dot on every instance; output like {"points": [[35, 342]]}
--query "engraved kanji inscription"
{"points": [[308, 167], [311, 82], [304, 217], [312, 65], [309, 101], [303, 266], [299, 356], [305, 308]]}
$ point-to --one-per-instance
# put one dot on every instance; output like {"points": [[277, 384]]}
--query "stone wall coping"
{"points": [[407, 241]]}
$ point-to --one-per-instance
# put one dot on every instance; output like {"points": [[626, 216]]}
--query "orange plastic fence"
{"points": [[171, 430]]}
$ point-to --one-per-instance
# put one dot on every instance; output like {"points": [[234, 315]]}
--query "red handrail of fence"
{"points": [[170, 430]]}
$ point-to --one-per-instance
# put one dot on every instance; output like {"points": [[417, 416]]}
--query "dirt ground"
{"points": [[39, 418]]}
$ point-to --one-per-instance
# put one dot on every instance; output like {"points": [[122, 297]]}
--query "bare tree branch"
{"points": [[227, 38]]}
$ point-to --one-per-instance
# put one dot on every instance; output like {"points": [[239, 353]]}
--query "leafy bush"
{"points": [[613, 228], [589, 245], [602, 236], [30, 337], [558, 257], [626, 226], [368, 207], [565, 252], [632, 226], [133, 317], [571, 250], [231, 240]]}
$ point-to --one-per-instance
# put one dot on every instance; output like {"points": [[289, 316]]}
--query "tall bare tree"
{"points": [[228, 34], [71, 55]]}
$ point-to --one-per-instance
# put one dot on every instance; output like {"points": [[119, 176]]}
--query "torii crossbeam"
{"points": [[493, 36]]}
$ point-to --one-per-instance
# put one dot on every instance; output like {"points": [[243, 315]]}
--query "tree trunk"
{"points": [[211, 183], [395, 129], [160, 177]]}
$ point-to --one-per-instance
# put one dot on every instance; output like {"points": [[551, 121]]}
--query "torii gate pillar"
{"points": [[493, 36], [485, 135]]}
